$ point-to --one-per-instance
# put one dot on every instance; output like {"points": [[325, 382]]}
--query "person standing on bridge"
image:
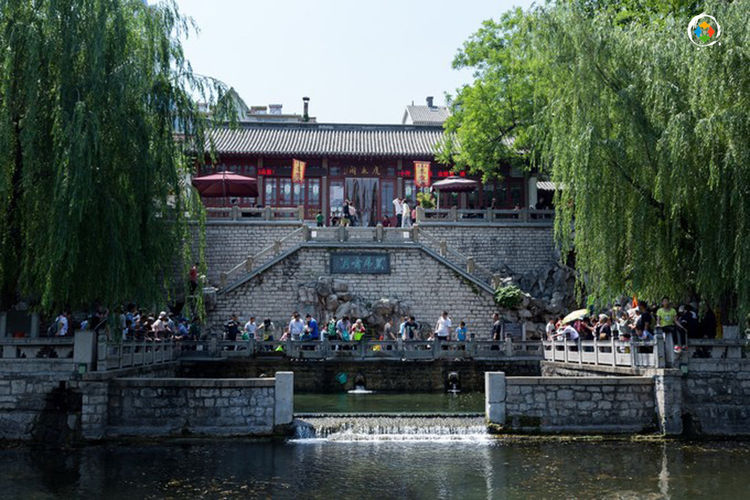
{"points": [[312, 332], [443, 327], [296, 327]]}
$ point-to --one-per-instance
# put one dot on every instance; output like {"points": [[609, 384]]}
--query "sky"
{"points": [[359, 61]]}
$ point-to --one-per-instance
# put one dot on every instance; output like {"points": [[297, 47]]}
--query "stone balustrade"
{"points": [[634, 354], [369, 350]]}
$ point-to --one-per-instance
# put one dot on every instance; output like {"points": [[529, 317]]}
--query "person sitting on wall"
{"points": [[411, 327]]}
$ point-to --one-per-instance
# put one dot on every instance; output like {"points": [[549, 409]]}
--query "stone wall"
{"points": [[228, 242], [716, 397], [29, 402], [419, 283], [314, 376], [520, 247], [571, 404], [173, 407]]}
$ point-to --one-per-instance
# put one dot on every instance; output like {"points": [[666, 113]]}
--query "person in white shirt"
{"points": [[62, 325], [570, 333], [406, 214], [296, 327], [251, 328], [443, 327], [399, 210]]}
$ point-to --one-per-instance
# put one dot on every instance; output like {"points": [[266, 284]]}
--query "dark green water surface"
{"points": [[322, 469], [389, 403]]}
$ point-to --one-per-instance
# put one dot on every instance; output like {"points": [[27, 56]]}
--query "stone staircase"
{"points": [[343, 237]]}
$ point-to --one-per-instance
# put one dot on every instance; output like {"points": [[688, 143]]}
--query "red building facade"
{"points": [[367, 164]]}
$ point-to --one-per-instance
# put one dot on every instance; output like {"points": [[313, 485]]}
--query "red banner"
{"points": [[298, 171], [422, 174]]}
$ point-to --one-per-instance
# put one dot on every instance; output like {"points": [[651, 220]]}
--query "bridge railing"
{"points": [[634, 354], [364, 350], [37, 348], [456, 215], [128, 354]]}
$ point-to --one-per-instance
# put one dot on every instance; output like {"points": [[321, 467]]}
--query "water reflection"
{"points": [[504, 469]]}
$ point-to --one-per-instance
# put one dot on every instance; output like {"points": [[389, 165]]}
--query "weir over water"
{"points": [[396, 427]]}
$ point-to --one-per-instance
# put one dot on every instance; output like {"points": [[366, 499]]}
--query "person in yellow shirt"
{"points": [[665, 318]]}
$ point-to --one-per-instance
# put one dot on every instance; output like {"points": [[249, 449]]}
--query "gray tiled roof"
{"points": [[328, 139], [426, 115]]}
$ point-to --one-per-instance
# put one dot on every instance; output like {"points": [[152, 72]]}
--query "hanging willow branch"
{"points": [[93, 194]]}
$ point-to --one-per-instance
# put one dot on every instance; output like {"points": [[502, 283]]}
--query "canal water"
{"points": [[384, 402], [321, 468]]}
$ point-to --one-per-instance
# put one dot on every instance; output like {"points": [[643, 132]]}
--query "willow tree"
{"points": [[93, 199], [650, 137]]}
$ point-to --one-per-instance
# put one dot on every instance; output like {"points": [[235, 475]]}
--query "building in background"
{"points": [[367, 163]]}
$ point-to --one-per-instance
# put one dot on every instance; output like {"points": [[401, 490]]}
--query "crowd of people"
{"points": [[405, 214], [349, 329], [639, 322]]}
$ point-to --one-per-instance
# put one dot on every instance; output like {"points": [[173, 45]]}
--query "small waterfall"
{"points": [[391, 428]]}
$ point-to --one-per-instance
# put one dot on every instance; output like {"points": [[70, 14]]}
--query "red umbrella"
{"points": [[222, 184], [455, 184]]}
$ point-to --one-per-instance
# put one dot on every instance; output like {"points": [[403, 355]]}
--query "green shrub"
{"points": [[508, 296]]}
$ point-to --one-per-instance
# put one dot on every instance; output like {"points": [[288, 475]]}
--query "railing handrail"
{"points": [[256, 258], [368, 349]]}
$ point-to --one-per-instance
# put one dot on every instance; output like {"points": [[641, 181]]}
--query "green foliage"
{"points": [[427, 200], [508, 296], [649, 134], [93, 191]]}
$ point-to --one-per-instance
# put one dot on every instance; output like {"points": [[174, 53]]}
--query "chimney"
{"points": [[429, 101], [306, 103]]}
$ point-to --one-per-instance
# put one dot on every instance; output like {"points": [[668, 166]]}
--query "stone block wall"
{"points": [[716, 397], [228, 242], [165, 407], [319, 376], [423, 284], [573, 404], [521, 247], [23, 401]]}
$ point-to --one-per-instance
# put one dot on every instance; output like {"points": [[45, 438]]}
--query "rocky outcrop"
{"points": [[547, 292], [329, 297]]}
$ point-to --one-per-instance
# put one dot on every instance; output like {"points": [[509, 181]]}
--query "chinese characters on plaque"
{"points": [[298, 171], [422, 174], [360, 263]]}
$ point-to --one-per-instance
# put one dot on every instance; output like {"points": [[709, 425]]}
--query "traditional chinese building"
{"points": [[365, 163]]}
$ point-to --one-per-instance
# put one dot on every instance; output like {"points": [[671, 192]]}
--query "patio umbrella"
{"points": [[454, 184], [575, 315], [223, 184]]}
